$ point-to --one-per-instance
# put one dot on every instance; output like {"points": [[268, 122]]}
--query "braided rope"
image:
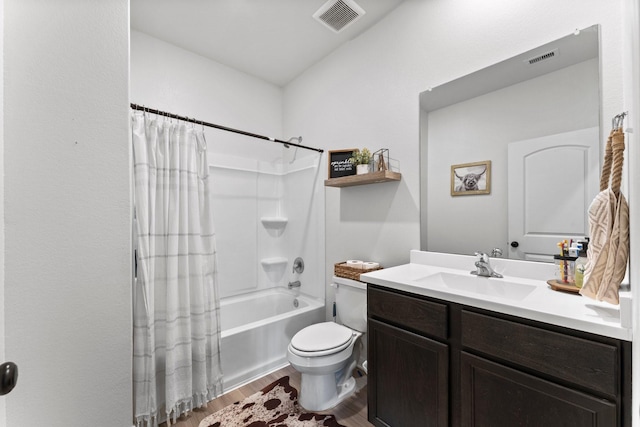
{"points": [[606, 166], [617, 146]]}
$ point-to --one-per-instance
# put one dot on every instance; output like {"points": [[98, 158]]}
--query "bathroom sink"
{"points": [[493, 287]]}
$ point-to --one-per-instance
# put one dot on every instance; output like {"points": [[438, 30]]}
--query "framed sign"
{"points": [[339, 164], [471, 178]]}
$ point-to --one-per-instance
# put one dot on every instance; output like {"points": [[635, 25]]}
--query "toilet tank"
{"points": [[351, 303]]}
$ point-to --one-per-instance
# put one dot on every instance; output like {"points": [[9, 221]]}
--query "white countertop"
{"points": [[541, 304]]}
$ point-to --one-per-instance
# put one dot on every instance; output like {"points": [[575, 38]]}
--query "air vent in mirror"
{"points": [[548, 55]]}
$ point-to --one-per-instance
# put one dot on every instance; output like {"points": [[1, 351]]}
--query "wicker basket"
{"points": [[342, 270]]}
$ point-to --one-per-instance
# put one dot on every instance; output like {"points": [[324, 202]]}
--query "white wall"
{"points": [[67, 212], [252, 178], [3, 406], [366, 94], [172, 79], [480, 129]]}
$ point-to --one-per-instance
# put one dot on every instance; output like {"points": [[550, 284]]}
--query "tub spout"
{"points": [[295, 284]]}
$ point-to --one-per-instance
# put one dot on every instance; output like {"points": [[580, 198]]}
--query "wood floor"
{"points": [[350, 413]]}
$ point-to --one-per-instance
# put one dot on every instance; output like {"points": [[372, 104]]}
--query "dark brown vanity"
{"points": [[432, 362]]}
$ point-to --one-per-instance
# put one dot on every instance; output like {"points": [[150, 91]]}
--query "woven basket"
{"points": [[342, 270]]}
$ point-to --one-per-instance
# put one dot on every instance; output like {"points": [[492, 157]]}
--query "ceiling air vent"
{"points": [[548, 55], [337, 15]]}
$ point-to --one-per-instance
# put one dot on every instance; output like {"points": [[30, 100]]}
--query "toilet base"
{"points": [[320, 392]]}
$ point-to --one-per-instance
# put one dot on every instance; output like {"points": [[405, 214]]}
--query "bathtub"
{"points": [[256, 329]]}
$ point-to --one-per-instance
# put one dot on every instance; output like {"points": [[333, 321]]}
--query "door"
{"points": [[544, 208]]}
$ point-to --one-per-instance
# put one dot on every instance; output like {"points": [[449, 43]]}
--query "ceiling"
{"points": [[275, 40]]}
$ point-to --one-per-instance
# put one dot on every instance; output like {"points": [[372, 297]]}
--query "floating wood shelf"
{"points": [[367, 178]]}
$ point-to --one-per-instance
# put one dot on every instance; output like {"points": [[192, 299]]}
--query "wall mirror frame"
{"points": [[549, 93]]}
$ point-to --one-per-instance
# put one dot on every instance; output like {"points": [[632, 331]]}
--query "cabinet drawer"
{"points": [[416, 314], [582, 362]]}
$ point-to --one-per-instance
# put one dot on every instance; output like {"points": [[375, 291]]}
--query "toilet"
{"points": [[326, 353]]}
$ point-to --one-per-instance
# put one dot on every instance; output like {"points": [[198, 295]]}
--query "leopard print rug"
{"points": [[276, 405]]}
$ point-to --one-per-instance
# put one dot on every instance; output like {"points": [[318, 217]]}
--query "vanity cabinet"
{"points": [[438, 363], [409, 359]]}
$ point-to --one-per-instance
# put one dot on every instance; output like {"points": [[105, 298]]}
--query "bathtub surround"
{"points": [[266, 214], [176, 331]]}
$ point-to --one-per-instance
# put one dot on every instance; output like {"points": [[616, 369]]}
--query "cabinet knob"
{"points": [[515, 244]]}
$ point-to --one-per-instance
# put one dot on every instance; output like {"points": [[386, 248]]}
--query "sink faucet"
{"points": [[483, 267], [295, 284]]}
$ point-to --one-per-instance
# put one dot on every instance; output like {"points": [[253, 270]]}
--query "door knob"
{"points": [[515, 244], [8, 377]]}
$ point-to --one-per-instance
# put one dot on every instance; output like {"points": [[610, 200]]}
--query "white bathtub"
{"points": [[256, 329]]}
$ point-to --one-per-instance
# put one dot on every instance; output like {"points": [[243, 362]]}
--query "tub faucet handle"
{"points": [[298, 265]]}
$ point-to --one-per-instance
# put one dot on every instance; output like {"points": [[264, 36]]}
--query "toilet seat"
{"points": [[321, 339]]}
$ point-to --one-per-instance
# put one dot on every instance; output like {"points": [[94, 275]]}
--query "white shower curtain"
{"points": [[176, 333]]}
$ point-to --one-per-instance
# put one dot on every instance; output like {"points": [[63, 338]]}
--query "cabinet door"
{"points": [[494, 396], [407, 379]]}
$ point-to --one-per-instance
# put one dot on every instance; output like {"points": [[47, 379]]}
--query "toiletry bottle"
{"points": [[581, 263]]}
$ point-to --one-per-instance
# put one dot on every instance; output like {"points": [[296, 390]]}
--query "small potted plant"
{"points": [[361, 159]]}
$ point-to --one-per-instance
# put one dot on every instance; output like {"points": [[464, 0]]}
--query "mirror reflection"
{"points": [[535, 118]]}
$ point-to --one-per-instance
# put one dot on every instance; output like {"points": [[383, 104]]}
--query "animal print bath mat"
{"points": [[276, 405]]}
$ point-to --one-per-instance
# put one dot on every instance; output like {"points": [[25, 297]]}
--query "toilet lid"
{"points": [[321, 336]]}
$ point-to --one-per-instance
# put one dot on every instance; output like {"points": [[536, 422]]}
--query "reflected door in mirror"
{"points": [[547, 207]]}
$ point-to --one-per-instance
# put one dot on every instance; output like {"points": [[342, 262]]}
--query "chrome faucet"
{"points": [[496, 253], [295, 284], [483, 267]]}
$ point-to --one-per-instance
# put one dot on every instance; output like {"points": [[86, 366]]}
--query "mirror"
{"points": [[534, 119]]}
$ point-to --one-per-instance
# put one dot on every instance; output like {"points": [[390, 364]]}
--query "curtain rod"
{"points": [[228, 129]]}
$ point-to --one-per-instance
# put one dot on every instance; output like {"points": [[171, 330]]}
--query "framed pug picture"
{"points": [[471, 178]]}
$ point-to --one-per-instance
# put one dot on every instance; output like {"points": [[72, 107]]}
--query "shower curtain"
{"points": [[176, 333]]}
